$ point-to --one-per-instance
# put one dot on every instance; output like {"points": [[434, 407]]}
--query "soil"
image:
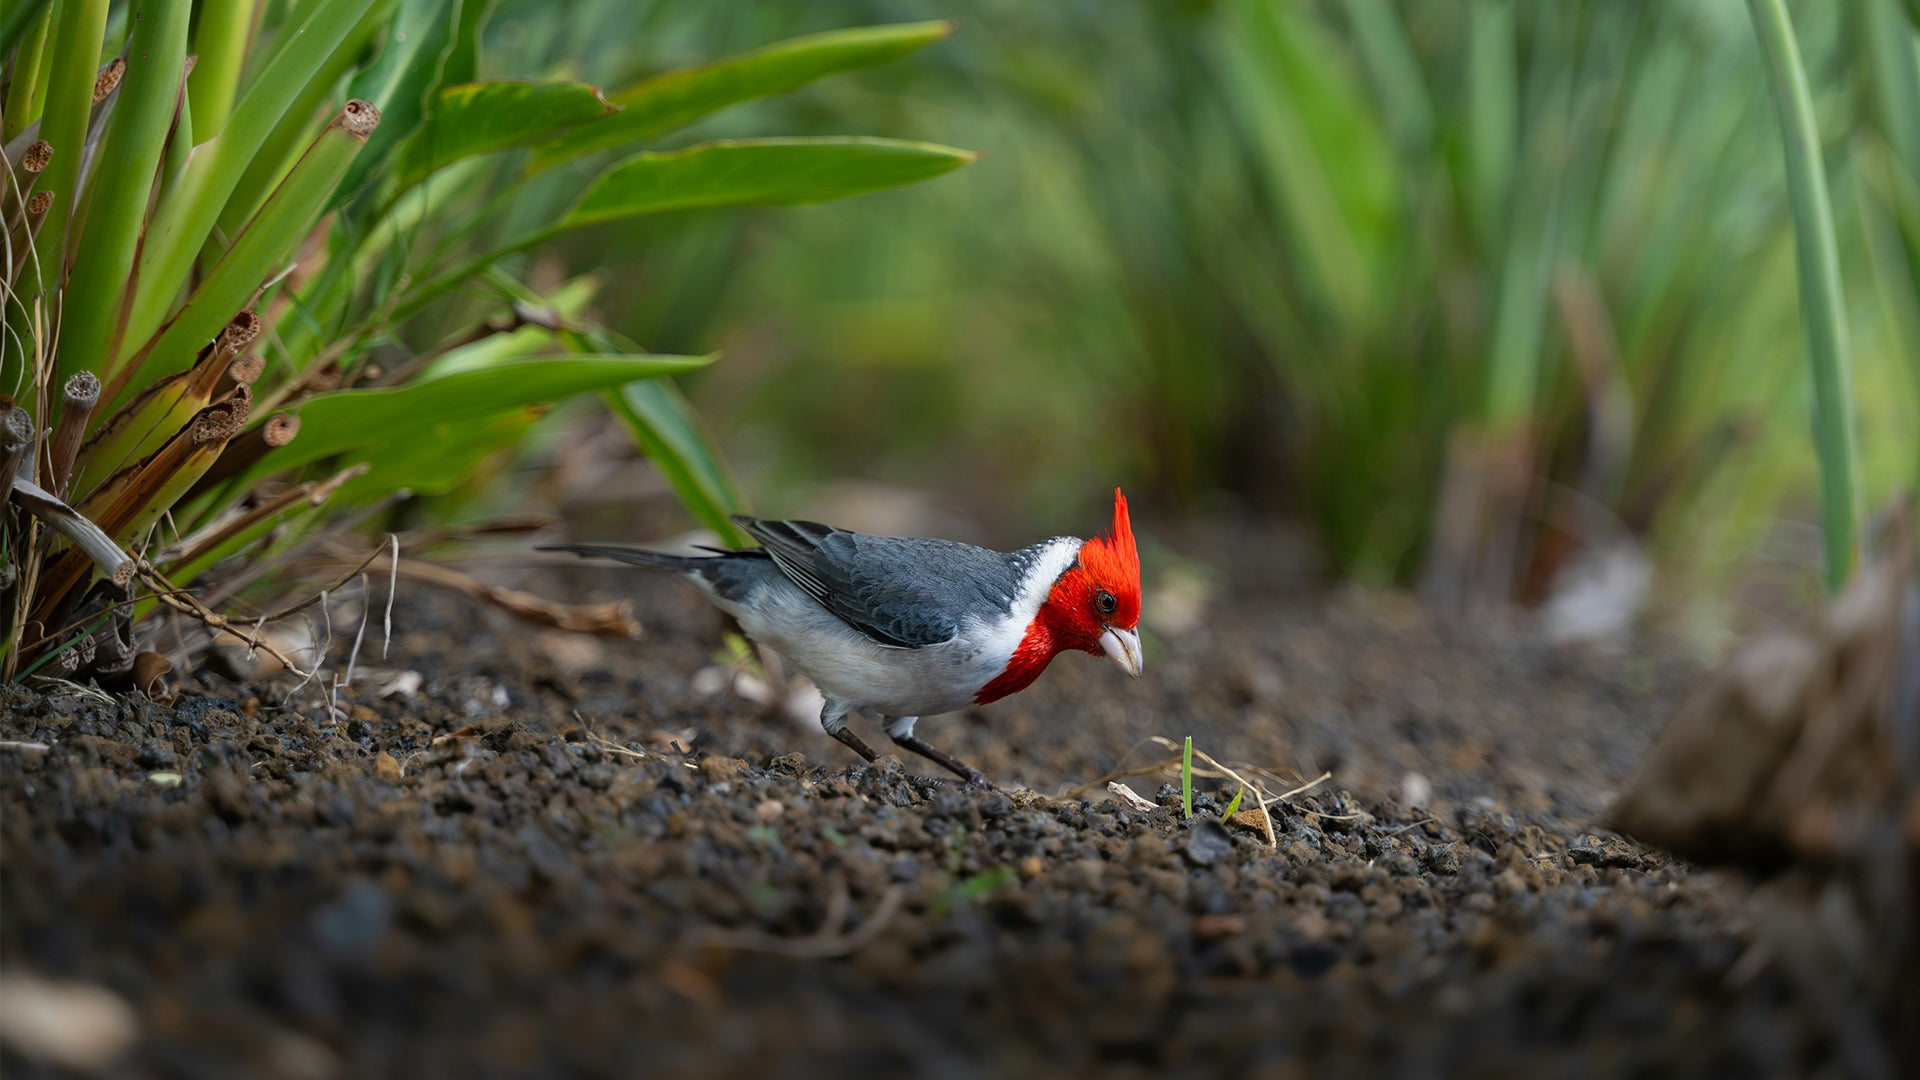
{"points": [[568, 856]]}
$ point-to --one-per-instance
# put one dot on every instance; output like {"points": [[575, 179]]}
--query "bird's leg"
{"points": [[900, 730], [834, 719]]}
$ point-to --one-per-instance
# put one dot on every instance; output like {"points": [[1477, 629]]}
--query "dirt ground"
{"points": [[514, 869]]}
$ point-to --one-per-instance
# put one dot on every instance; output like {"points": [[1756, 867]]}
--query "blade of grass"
{"points": [[1822, 303], [1234, 806], [422, 53], [92, 305], [759, 172], [1186, 778]]}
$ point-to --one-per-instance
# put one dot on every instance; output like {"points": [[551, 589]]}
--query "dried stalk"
{"points": [[143, 424], [607, 620], [77, 402], [86, 536], [219, 532], [132, 500]]}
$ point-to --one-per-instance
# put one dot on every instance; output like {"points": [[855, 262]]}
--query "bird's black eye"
{"points": [[1105, 602]]}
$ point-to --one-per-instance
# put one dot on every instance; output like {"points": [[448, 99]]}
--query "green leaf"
{"points": [[482, 117], [136, 138], [1234, 806], [425, 50], [220, 38], [677, 98], [361, 420], [434, 458], [732, 173], [187, 213], [758, 172], [1823, 305]]}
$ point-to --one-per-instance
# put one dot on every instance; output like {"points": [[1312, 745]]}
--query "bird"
{"points": [[899, 628]]}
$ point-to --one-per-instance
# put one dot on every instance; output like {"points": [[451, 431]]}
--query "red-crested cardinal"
{"points": [[903, 627]]}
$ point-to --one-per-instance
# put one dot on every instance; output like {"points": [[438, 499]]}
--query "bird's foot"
{"points": [[974, 777], [854, 742]]}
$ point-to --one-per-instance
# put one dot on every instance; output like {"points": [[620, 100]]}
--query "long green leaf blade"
{"points": [[479, 118], [675, 99], [420, 54], [1823, 306], [758, 172], [342, 421]]}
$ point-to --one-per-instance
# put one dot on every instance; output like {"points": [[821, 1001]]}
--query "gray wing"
{"points": [[899, 591]]}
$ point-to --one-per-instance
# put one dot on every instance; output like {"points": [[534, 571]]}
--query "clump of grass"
{"points": [[250, 299]]}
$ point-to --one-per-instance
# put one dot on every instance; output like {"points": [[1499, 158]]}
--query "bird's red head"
{"points": [[1093, 607]]}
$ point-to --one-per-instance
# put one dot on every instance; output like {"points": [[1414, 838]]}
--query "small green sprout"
{"points": [[1234, 806], [1186, 779]]}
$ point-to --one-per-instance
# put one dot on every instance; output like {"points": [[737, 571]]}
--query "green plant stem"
{"points": [[136, 139], [78, 34], [23, 96], [220, 40], [1822, 302], [185, 218], [1186, 778]]}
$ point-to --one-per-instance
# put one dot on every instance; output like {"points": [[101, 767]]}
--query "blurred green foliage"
{"points": [[1289, 253]]}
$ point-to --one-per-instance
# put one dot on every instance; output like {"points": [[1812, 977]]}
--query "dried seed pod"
{"points": [[77, 402], [109, 79], [37, 157]]}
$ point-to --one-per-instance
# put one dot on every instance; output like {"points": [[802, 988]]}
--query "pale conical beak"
{"points": [[1123, 648]]}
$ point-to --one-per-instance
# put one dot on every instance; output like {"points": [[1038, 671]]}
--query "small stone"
{"points": [[720, 770], [769, 810], [386, 767], [1031, 866], [1207, 843], [1254, 820]]}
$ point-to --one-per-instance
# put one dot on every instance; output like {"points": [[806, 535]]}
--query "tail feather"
{"points": [[655, 560]]}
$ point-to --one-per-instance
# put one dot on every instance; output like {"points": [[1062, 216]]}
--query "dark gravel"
{"points": [[468, 881]]}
